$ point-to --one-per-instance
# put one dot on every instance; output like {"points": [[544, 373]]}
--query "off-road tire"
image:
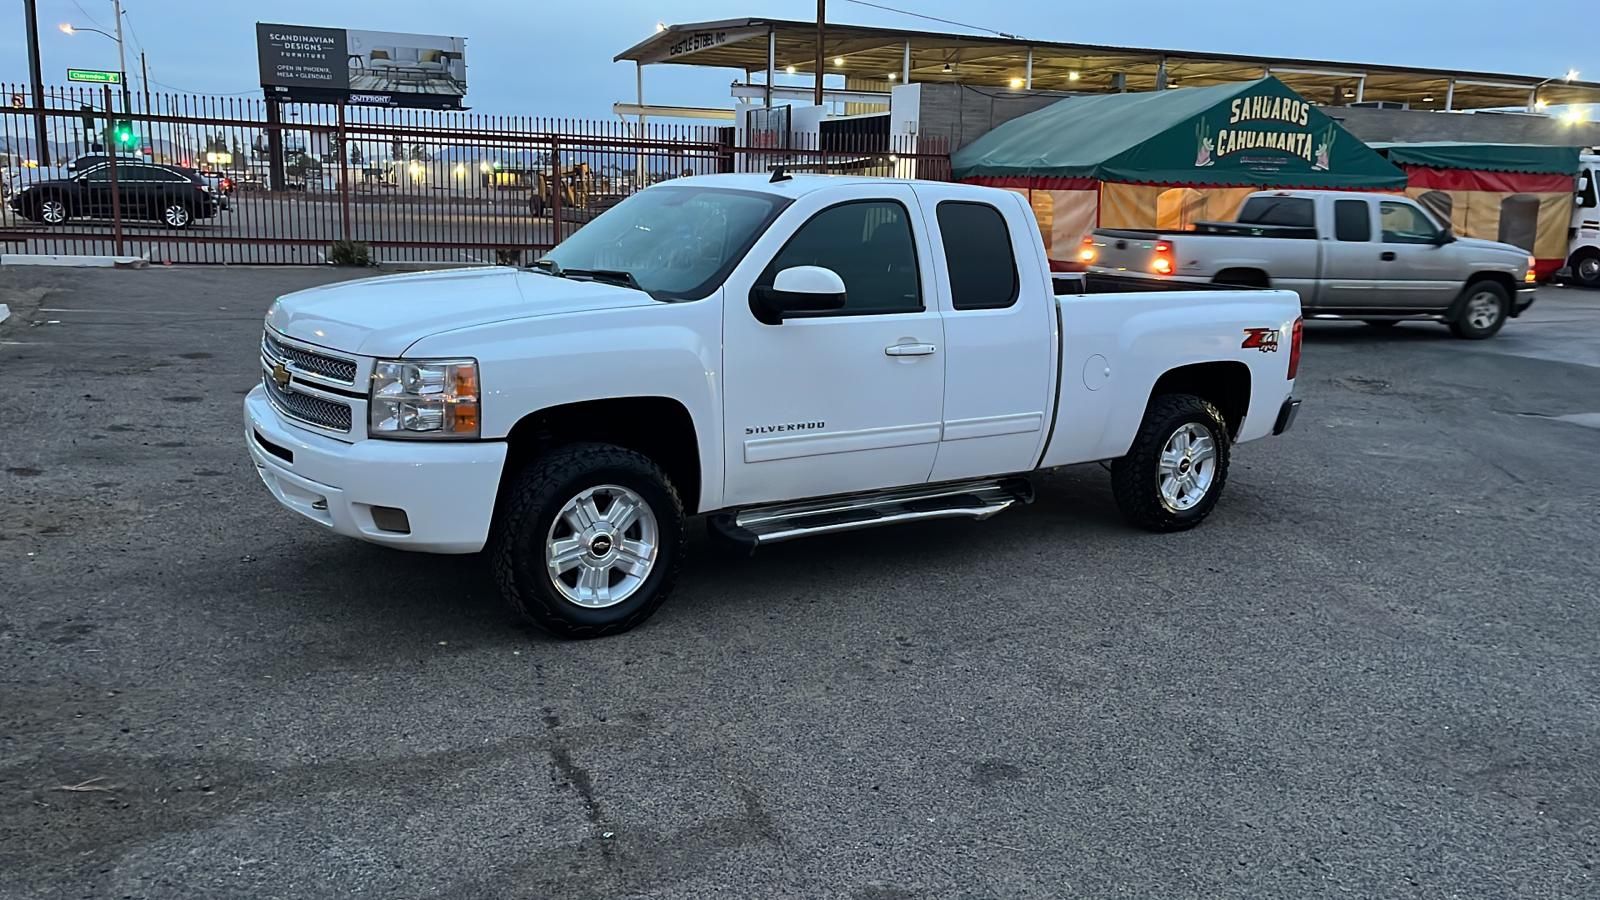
{"points": [[531, 500], [1461, 324], [1136, 477]]}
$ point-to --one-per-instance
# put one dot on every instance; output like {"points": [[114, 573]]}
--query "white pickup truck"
{"points": [[789, 356], [1380, 258]]}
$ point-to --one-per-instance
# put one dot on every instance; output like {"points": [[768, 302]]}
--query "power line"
{"points": [[917, 15], [92, 19]]}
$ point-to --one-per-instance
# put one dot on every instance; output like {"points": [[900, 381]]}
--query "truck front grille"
{"points": [[317, 411], [332, 368]]}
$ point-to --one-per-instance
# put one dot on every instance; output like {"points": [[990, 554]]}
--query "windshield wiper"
{"points": [[619, 277], [549, 267]]}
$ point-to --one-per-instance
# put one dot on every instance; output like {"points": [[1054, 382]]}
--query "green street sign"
{"points": [[94, 76]]}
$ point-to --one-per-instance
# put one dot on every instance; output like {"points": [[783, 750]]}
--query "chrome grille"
{"points": [[317, 411], [330, 367]]}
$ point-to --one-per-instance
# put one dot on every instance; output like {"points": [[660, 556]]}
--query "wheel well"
{"points": [[1240, 277], [1582, 253], [1225, 385], [659, 427]]}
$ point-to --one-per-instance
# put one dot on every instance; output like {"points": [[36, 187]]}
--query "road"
{"points": [[1372, 673], [303, 226]]}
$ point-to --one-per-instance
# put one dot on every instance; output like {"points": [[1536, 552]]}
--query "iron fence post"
{"points": [[555, 191], [116, 195], [344, 180]]}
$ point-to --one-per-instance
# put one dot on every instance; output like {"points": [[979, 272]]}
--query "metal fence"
{"points": [[411, 185]]}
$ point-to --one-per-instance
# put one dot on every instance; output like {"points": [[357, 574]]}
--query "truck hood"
{"points": [[1480, 244], [383, 316]]}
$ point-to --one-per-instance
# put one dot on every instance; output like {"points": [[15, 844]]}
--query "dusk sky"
{"points": [[537, 57]]}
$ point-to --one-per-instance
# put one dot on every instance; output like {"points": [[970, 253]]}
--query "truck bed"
{"points": [[1087, 283]]}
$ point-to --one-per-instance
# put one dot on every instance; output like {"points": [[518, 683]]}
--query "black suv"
{"points": [[172, 195]]}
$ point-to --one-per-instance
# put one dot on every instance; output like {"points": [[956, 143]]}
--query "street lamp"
{"points": [[122, 54], [1534, 103]]}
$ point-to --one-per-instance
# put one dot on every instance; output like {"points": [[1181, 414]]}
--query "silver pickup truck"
{"points": [[1379, 258]]}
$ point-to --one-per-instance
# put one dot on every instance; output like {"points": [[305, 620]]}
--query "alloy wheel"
{"points": [[602, 546], [1188, 466]]}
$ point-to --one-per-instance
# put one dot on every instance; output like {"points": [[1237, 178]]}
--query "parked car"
{"points": [[1380, 258], [172, 195], [792, 357]]}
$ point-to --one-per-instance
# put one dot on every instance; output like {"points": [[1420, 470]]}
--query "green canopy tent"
{"points": [[1168, 158]]}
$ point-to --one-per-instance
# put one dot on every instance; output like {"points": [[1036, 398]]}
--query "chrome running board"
{"points": [[760, 525]]}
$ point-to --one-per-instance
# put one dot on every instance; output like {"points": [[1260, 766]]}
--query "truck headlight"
{"points": [[424, 398]]}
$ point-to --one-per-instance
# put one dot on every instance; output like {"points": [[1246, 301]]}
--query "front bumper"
{"points": [[1523, 299], [447, 489]]}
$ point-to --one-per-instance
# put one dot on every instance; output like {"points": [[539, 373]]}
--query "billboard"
{"points": [[373, 68]]}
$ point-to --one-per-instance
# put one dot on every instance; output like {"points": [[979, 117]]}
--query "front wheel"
{"points": [[50, 211], [1483, 311], [1586, 268], [588, 540], [1173, 474]]}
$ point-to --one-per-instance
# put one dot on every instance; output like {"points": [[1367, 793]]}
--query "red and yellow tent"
{"points": [[1518, 194]]}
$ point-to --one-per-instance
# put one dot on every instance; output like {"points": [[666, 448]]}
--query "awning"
{"points": [[1532, 159], [1254, 133]]}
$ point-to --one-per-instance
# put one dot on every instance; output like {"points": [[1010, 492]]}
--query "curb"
{"points": [[73, 262]]}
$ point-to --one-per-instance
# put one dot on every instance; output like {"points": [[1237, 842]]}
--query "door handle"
{"points": [[1387, 256], [909, 350]]}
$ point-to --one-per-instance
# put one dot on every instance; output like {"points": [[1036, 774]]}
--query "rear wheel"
{"points": [[1173, 474], [588, 540], [1483, 310], [1586, 268], [176, 215]]}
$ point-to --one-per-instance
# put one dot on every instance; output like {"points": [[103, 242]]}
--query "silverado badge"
{"points": [[280, 374]]}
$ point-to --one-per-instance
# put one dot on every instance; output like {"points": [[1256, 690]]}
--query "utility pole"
{"points": [[41, 131], [122, 55], [144, 82], [822, 15]]}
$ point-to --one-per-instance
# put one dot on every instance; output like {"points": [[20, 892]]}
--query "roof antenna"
{"points": [[778, 174]]}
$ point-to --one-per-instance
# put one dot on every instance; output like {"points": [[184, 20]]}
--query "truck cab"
{"points": [[1583, 260]]}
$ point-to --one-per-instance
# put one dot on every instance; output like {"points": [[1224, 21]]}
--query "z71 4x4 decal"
{"points": [[1263, 339]]}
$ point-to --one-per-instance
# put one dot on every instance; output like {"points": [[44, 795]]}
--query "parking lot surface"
{"points": [[1372, 673]]}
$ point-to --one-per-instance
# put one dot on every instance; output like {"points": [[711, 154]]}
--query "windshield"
{"points": [[675, 243]]}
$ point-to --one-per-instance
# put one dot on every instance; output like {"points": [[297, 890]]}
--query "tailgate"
{"points": [[1117, 250]]}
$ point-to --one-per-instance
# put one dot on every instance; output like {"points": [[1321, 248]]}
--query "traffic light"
{"points": [[122, 134]]}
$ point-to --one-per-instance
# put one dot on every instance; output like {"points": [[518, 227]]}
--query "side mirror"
{"points": [[1443, 237], [800, 289]]}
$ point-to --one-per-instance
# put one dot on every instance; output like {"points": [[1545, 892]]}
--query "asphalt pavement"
{"points": [[1372, 673]]}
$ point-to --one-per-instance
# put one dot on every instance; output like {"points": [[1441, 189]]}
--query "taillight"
{"points": [[1087, 253], [1162, 264], [1294, 347], [1533, 274]]}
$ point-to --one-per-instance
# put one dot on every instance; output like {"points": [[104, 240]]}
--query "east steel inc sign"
{"points": [[94, 76]]}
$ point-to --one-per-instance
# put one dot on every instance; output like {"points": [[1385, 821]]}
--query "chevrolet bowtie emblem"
{"points": [[280, 374]]}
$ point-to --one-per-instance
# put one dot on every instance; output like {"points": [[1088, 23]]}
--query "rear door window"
{"points": [[1295, 212], [1352, 221], [978, 255]]}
